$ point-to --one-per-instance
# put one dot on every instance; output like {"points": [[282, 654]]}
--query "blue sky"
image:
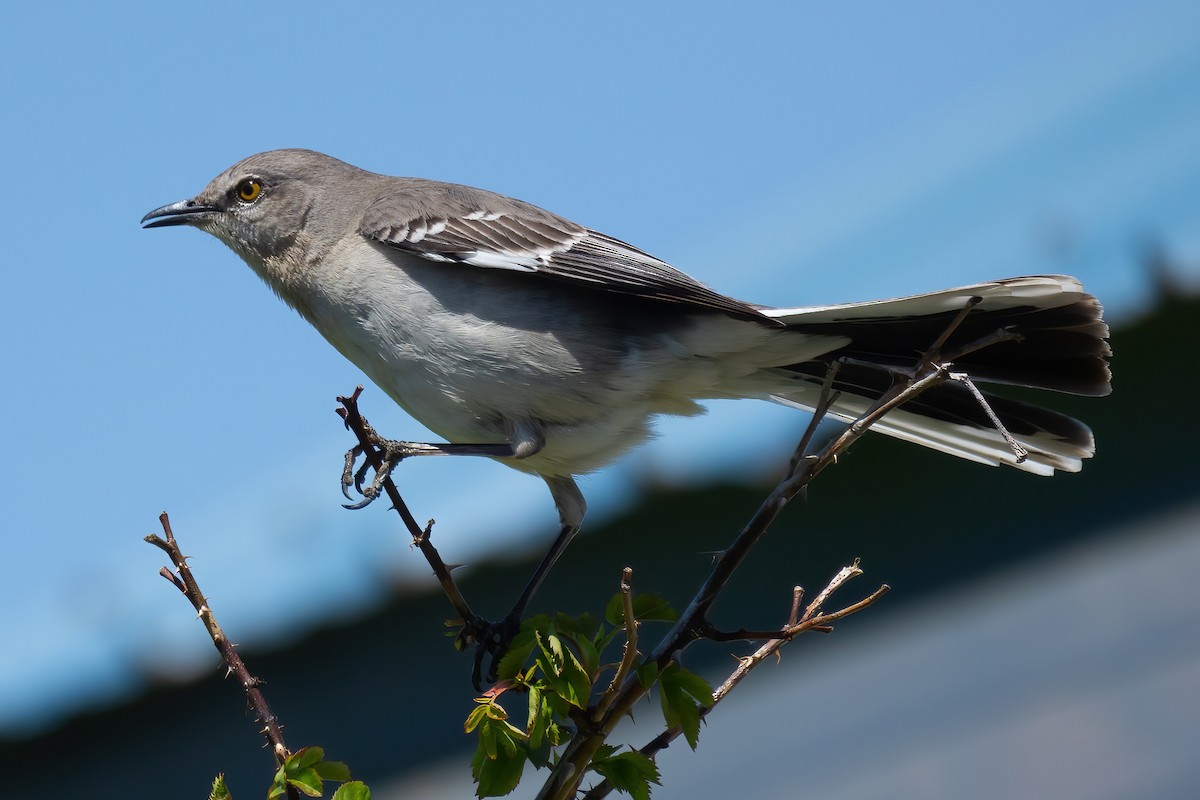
{"points": [[809, 153]]}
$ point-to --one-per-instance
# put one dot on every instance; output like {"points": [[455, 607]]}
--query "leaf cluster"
{"points": [[306, 771], [559, 664]]}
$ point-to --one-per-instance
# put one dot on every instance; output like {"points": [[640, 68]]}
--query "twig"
{"points": [[629, 659], [844, 574], [794, 627], [824, 402], [186, 583], [1018, 450], [934, 352]]}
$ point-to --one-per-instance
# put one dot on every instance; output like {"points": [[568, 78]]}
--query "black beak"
{"points": [[185, 212]]}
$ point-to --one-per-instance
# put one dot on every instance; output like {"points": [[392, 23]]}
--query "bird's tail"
{"points": [[1061, 345]]}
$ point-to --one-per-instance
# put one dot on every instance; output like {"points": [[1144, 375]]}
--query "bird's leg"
{"points": [[493, 638]]}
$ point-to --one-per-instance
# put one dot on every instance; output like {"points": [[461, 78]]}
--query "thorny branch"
{"points": [[796, 625], [183, 580]]}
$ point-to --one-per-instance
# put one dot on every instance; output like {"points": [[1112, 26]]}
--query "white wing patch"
{"points": [[521, 238], [494, 260]]}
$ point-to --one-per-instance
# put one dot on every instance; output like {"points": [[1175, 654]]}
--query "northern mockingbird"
{"points": [[519, 335]]}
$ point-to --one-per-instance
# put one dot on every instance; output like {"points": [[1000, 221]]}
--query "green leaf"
{"points": [[495, 711], [545, 656], [477, 715], [653, 608], [355, 790], [496, 775], [557, 652], [614, 612], [536, 721], [487, 739], [219, 790], [554, 733], [540, 754], [565, 623], [604, 638], [305, 758], [588, 624], [510, 737], [279, 784], [647, 607], [565, 676], [333, 771], [629, 772], [518, 652], [308, 781], [589, 656], [544, 732], [648, 673], [700, 689], [682, 693], [604, 752], [578, 682], [557, 706]]}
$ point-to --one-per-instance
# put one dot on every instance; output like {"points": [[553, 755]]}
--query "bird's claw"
{"points": [[489, 639], [390, 455], [348, 476]]}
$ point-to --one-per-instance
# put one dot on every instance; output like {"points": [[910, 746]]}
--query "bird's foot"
{"points": [[390, 453], [491, 640]]}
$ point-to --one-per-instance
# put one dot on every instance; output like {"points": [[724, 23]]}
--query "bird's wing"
{"points": [[501, 233]]}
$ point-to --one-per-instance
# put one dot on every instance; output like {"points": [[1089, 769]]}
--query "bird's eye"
{"points": [[249, 189]]}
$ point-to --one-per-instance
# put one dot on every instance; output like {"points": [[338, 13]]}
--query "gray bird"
{"points": [[516, 334]]}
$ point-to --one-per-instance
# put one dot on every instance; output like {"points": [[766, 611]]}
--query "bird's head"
{"points": [[265, 205]]}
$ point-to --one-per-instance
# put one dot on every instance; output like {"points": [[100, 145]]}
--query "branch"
{"points": [[794, 627], [420, 536], [187, 584], [629, 659]]}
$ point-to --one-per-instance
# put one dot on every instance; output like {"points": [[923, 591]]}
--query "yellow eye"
{"points": [[249, 189]]}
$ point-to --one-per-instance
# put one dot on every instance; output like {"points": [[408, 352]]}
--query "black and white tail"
{"points": [[1062, 347]]}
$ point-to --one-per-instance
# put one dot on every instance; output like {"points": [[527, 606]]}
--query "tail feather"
{"points": [[1063, 343], [1062, 347]]}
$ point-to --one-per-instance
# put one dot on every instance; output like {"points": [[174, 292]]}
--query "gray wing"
{"points": [[477, 228]]}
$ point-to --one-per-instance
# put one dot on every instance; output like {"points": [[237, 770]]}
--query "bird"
{"points": [[516, 334]]}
